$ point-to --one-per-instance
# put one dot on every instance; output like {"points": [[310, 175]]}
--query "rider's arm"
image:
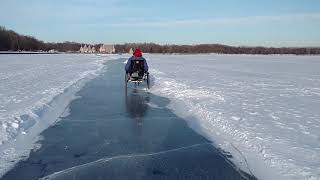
{"points": [[146, 67], [128, 65]]}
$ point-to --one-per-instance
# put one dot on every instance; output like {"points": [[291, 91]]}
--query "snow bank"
{"points": [[34, 91], [262, 109]]}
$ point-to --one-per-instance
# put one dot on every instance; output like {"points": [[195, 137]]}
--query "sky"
{"points": [[275, 23]]}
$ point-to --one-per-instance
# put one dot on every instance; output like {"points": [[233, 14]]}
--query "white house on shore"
{"points": [[131, 51], [84, 49], [87, 49], [107, 48], [93, 49]]}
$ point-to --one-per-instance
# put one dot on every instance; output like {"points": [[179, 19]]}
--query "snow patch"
{"points": [[37, 90], [15, 125], [261, 109]]}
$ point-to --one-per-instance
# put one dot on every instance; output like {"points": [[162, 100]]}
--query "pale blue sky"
{"points": [[232, 22]]}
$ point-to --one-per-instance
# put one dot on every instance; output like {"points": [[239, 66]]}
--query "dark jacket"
{"points": [[136, 58]]}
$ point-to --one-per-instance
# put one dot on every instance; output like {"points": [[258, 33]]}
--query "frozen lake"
{"points": [[264, 110]]}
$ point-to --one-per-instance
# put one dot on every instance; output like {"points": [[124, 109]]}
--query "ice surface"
{"points": [[34, 91], [262, 108]]}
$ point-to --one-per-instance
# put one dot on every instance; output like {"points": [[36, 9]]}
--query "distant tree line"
{"points": [[12, 41], [213, 48]]}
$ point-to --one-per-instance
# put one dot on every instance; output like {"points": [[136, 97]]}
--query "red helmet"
{"points": [[137, 53]]}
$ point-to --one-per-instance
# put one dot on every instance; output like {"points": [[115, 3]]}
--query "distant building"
{"points": [[109, 49], [89, 49], [102, 49], [84, 49], [131, 51], [52, 51]]}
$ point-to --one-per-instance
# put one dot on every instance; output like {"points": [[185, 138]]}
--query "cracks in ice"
{"points": [[244, 158], [56, 174], [103, 160]]}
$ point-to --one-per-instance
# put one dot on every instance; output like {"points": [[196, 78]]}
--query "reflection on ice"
{"points": [[136, 104]]}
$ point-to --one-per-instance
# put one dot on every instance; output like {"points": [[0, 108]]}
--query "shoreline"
{"points": [[10, 52]]}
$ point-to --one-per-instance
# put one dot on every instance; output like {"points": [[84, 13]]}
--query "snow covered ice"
{"points": [[264, 109], [34, 89]]}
